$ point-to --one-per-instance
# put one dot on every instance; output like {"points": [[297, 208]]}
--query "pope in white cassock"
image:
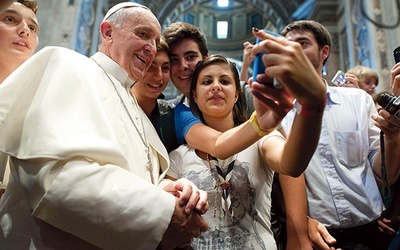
{"points": [[86, 160]]}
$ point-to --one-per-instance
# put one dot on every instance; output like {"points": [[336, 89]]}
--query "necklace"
{"points": [[141, 132]]}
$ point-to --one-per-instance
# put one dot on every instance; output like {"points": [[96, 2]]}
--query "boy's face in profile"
{"points": [[19, 33], [309, 45]]}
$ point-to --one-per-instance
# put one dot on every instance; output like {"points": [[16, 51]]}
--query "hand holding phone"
{"points": [[396, 54], [258, 65], [339, 78]]}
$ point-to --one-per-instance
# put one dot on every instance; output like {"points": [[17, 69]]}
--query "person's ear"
{"points": [[106, 30], [325, 52], [236, 95]]}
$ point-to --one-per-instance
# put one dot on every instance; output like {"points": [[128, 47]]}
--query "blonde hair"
{"points": [[362, 72]]}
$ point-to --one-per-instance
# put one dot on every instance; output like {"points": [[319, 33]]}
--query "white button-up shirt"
{"points": [[341, 188]]}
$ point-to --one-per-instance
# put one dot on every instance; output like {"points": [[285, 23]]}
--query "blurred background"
{"points": [[364, 32]]}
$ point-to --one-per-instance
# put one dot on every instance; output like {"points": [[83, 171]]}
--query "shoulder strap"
{"points": [[165, 125]]}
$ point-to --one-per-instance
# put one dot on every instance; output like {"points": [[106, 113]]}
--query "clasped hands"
{"points": [[190, 196], [186, 222]]}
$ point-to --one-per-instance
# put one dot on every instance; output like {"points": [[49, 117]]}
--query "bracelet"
{"points": [[311, 110], [256, 126]]}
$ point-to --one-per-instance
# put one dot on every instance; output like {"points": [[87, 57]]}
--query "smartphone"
{"points": [[396, 54], [258, 65], [339, 78]]}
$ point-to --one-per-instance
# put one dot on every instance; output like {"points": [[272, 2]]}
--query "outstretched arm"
{"points": [[287, 62], [221, 145]]}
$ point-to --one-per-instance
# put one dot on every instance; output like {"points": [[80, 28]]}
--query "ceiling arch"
{"points": [[241, 16]]}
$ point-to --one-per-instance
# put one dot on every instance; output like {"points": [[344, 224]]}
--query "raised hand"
{"points": [[287, 62], [351, 82], [395, 79]]}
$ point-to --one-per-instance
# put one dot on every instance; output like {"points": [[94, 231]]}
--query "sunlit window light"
{"points": [[222, 29], [223, 3]]}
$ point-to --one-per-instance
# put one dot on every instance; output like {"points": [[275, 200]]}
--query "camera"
{"points": [[389, 102], [258, 65], [396, 54], [339, 78]]}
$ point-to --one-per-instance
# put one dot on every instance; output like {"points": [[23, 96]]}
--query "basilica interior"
{"points": [[364, 32]]}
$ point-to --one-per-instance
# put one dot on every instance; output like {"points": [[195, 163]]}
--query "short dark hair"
{"points": [[31, 4], [239, 109], [178, 31], [320, 33]]}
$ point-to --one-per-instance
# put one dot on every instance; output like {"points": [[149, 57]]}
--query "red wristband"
{"points": [[311, 110]]}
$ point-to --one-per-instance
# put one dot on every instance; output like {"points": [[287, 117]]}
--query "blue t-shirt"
{"points": [[184, 119]]}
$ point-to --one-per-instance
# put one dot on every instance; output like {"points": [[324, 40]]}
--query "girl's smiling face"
{"points": [[216, 92]]}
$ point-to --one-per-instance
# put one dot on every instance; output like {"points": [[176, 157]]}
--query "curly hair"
{"points": [[178, 31], [31, 4]]}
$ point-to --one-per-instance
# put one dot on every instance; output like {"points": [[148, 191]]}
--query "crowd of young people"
{"points": [[90, 166]]}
